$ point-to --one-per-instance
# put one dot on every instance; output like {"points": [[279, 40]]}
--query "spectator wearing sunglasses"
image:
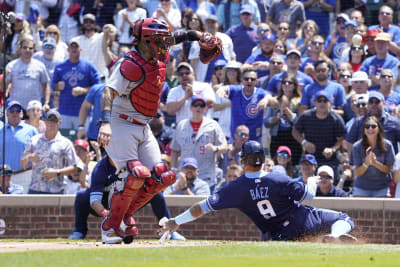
{"points": [[373, 157], [283, 157], [358, 104], [336, 41], [392, 98], [17, 136], [276, 66], [240, 137], [201, 138], [321, 121], [320, 11], [9, 187], [375, 107], [325, 187], [262, 29]]}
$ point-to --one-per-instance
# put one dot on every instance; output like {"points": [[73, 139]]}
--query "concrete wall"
{"points": [[34, 216]]}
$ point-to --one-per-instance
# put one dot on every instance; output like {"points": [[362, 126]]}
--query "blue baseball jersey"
{"points": [[94, 98], [244, 110], [276, 80], [374, 66]]}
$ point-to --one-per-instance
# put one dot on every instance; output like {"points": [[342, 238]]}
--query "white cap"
{"points": [[361, 98], [327, 169], [360, 76], [34, 104]]}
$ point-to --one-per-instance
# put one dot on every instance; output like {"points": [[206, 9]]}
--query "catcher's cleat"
{"points": [[109, 236], [128, 239], [344, 238]]}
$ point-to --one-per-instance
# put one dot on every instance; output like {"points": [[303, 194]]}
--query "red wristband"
{"points": [[103, 212]]}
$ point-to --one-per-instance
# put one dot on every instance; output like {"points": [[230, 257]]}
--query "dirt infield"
{"points": [[22, 246]]}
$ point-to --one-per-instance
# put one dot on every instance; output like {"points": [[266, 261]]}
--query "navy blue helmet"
{"points": [[252, 153]]}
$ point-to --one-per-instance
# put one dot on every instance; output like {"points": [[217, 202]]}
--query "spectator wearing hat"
{"points": [[375, 107], [392, 98], [359, 85], [46, 56], [27, 78], [369, 40], [290, 11], [229, 12], [320, 11], [35, 113], [72, 80], [126, 18], [336, 41], [382, 60], [322, 83], [247, 103], [276, 66], [179, 98], [17, 135], [244, 35], [204, 71], [201, 138], [321, 121], [283, 157], [187, 182], [9, 187], [293, 61], [325, 187], [52, 156], [261, 61], [90, 41], [358, 104], [386, 25], [262, 29], [308, 166]]}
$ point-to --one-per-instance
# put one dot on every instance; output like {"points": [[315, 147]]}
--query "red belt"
{"points": [[130, 119]]}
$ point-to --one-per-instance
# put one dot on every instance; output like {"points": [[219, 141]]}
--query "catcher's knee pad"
{"points": [[163, 175], [137, 175]]}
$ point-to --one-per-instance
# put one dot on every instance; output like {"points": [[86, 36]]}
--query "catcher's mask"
{"points": [[252, 153], [156, 34]]}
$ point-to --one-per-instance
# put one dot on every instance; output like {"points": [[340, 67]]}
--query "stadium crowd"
{"points": [[315, 81]]}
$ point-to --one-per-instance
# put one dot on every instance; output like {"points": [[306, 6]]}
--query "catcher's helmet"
{"points": [[252, 153], [157, 35]]}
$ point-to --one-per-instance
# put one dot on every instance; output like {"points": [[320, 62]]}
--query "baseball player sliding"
{"points": [[130, 99]]}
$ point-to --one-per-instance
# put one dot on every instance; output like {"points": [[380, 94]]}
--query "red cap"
{"points": [[82, 143], [370, 34]]}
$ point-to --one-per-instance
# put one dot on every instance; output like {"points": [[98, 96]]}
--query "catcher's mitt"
{"points": [[210, 47]]}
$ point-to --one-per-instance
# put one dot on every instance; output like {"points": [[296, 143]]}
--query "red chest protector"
{"points": [[149, 77]]}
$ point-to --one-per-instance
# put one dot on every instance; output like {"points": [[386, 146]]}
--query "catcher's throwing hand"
{"points": [[104, 134], [210, 47]]}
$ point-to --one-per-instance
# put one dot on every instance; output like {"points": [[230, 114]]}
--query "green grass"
{"points": [[232, 254]]}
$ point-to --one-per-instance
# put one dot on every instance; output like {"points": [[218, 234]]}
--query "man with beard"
{"points": [[322, 70], [91, 43]]}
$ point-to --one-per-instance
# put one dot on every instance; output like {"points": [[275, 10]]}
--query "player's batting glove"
{"points": [[210, 47]]}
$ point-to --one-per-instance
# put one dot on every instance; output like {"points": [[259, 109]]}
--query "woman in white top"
{"points": [[53, 31], [169, 14], [125, 20]]}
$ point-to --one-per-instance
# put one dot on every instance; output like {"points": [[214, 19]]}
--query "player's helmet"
{"points": [[252, 153], [156, 34]]}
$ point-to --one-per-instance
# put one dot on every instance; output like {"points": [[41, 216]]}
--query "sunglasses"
{"points": [[240, 134], [52, 33], [387, 76], [321, 70], [249, 79], [373, 126], [374, 102], [361, 105], [282, 154], [356, 48], [198, 104], [385, 13], [16, 109], [283, 29], [325, 176], [276, 62], [262, 30], [287, 82], [48, 47], [340, 21], [183, 73], [309, 28], [344, 76], [316, 43], [52, 119], [322, 100]]}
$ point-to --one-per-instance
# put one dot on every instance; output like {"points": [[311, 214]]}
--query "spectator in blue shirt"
{"points": [[319, 11], [336, 41], [308, 166], [261, 61], [9, 187], [392, 98]]}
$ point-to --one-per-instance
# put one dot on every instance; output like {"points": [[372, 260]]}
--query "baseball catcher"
{"points": [[133, 94]]}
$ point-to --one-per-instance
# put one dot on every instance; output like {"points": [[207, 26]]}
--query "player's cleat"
{"points": [[177, 236], [128, 239], [76, 236], [344, 238], [109, 236]]}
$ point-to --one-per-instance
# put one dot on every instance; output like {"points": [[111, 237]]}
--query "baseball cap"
{"points": [[212, 17], [233, 65], [310, 158], [269, 36], [198, 98], [246, 9], [186, 65], [377, 95], [13, 103], [34, 104], [361, 99], [322, 93], [82, 143], [285, 149], [293, 51], [53, 112], [74, 41], [50, 41], [350, 23], [327, 169], [343, 16], [370, 34], [89, 16], [190, 162], [220, 63], [20, 16], [360, 76], [383, 36], [6, 170]]}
